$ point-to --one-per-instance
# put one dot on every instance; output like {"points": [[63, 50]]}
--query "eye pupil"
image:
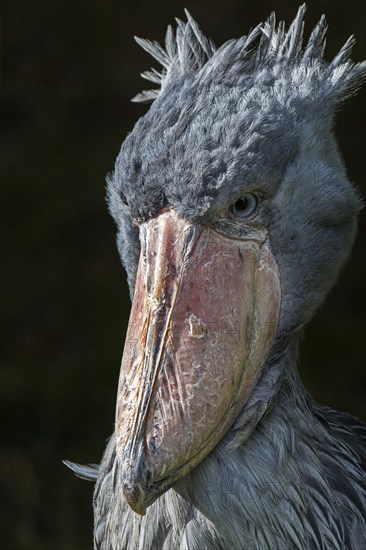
{"points": [[242, 203], [245, 206]]}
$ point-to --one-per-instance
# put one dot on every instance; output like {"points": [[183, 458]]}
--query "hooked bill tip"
{"points": [[135, 497]]}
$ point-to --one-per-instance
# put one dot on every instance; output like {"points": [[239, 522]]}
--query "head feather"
{"points": [[278, 52]]}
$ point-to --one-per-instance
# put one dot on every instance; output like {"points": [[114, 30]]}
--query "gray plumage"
{"points": [[255, 115]]}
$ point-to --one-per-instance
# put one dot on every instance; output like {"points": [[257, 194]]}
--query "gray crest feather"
{"points": [[189, 52], [185, 52]]}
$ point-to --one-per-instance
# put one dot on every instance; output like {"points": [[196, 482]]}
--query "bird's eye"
{"points": [[245, 206]]}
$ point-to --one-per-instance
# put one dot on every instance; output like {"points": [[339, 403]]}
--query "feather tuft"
{"points": [[188, 51]]}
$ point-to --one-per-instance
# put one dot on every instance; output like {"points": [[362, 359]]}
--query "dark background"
{"points": [[69, 70]]}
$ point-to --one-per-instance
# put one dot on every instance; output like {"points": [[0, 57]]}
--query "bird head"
{"points": [[234, 216]]}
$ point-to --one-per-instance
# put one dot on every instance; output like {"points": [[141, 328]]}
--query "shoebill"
{"points": [[234, 216]]}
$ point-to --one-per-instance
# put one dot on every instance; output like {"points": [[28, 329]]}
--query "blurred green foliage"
{"points": [[69, 70]]}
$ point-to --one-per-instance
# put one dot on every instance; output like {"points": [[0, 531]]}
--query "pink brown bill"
{"points": [[202, 323]]}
